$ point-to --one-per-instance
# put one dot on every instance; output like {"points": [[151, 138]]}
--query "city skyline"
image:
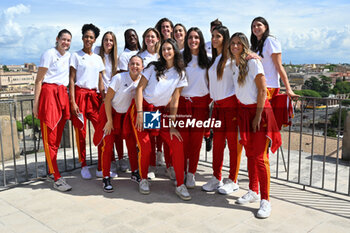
{"points": [[309, 31]]}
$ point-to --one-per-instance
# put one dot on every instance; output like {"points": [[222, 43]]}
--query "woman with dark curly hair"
{"points": [[85, 90], [131, 48]]}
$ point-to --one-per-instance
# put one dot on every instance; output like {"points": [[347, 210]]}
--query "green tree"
{"points": [[325, 84], [341, 88], [5, 68], [334, 120], [19, 126], [28, 120], [306, 92], [313, 83]]}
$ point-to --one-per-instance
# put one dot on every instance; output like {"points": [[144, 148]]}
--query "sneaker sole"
{"points": [[212, 190], [183, 197], [262, 217], [63, 190], [227, 193], [108, 191], [144, 192], [190, 187], [248, 202]]}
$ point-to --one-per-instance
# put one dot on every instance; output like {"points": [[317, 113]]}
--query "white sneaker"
{"points": [[212, 185], [85, 173], [144, 187], [61, 185], [264, 210], [182, 192], [190, 181], [249, 197], [99, 174], [123, 165], [152, 170], [113, 174], [228, 187], [159, 159], [170, 172]]}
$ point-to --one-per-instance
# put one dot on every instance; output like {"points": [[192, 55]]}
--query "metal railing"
{"points": [[301, 166], [28, 159], [323, 169]]}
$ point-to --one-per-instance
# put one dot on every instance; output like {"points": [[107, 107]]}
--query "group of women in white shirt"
{"points": [[169, 77]]}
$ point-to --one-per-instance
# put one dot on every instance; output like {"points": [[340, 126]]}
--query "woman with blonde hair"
{"points": [[109, 53], [257, 125], [150, 53]]}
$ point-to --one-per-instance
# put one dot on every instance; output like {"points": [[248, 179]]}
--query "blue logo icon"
{"points": [[151, 120]]}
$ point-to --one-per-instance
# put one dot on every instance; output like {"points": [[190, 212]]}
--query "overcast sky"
{"points": [[310, 31]]}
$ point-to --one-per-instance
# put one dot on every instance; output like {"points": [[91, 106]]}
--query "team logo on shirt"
{"points": [[151, 120]]}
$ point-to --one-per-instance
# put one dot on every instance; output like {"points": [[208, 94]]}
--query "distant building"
{"points": [[18, 81]]}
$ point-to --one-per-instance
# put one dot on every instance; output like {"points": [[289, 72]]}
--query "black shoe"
{"points": [[135, 176], [208, 143], [107, 186]]}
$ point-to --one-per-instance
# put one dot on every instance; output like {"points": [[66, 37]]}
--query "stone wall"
{"points": [[331, 144], [7, 138]]}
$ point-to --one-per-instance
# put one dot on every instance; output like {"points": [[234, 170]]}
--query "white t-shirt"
{"points": [[124, 58], [221, 89], [208, 49], [124, 88], [87, 69], [159, 92], [148, 58], [248, 92], [107, 75], [271, 45], [57, 67], [197, 80]]}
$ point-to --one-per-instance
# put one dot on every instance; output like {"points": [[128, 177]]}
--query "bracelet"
{"points": [[139, 111]]}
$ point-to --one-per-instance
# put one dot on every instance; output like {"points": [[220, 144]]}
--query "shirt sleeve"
{"points": [[115, 83], [273, 45], [183, 80], [256, 67], [101, 65], [123, 62], [73, 61], [147, 73], [46, 59]]}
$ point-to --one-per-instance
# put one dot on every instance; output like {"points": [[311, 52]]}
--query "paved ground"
{"points": [[36, 207]]}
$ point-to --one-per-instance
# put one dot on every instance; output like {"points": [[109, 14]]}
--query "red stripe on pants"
{"points": [[225, 111]]}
